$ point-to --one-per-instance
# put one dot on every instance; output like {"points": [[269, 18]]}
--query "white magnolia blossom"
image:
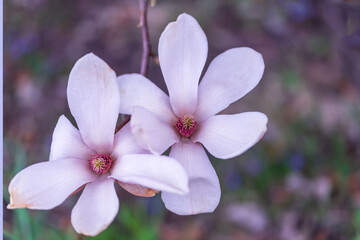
{"points": [[186, 120], [93, 156]]}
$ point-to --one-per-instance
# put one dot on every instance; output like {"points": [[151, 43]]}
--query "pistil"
{"points": [[100, 163], [186, 125]]}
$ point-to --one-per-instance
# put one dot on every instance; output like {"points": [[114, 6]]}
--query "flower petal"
{"points": [[204, 195], [229, 77], [125, 143], [138, 190], [183, 50], [96, 208], [46, 185], [156, 172], [137, 90], [150, 132], [67, 142], [226, 136], [94, 101]]}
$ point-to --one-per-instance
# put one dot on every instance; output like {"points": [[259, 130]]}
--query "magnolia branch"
{"points": [[144, 4], [146, 47]]}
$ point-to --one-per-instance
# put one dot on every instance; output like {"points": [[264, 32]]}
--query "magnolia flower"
{"points": [[93, 157], [186, 119]]}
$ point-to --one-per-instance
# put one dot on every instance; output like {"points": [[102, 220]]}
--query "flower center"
{"points": [[186, 125], [100, 163]]}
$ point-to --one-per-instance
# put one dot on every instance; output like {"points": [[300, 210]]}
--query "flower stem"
{"points": [[144, 70]]}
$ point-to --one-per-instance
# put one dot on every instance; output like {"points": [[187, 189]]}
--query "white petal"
{"points": [[226, 136], [182, 53], [94, 101], [151, 133], [137, 90], [204, 195], [125, 143], [229, 77], [96, 208], [67, 142], [46, 185], [156, 172]]}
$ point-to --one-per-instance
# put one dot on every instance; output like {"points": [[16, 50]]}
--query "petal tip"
{"points": [[91, 58], [151, 192], [11, 205], [183, 16], [265, 122], [90, 55]]}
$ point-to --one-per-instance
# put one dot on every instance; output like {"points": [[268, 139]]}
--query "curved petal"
{"points": [[94, 101], [229, 77], [46, 185], [96, 208], [151, 133], [183, 50], [156, 172], [67, 142], [138, 190], [226, 136], [137, 90], [125, 143], [204, 195]]}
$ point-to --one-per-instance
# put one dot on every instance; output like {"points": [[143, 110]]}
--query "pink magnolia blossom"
{"points": [[93, 156], [186, 120]]}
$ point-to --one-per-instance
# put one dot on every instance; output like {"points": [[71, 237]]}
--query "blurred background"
{"points": [[301, 181]]}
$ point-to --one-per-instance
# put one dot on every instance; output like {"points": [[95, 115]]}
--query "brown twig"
{"points": [[144, 70], [146, 54]]}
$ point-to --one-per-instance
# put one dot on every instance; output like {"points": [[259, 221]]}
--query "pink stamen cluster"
{"points": [[100, 163], [186, 125]]}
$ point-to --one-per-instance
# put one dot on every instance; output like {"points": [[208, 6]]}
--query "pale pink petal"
{"points": [[125, 143], [151, 132], [156, 172], [67, 142], [229, 77], [226, 136], [96, 208], [204, 195], [137, 90], [46, 185], [138, 190], [182, 53], [94, 101]]}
